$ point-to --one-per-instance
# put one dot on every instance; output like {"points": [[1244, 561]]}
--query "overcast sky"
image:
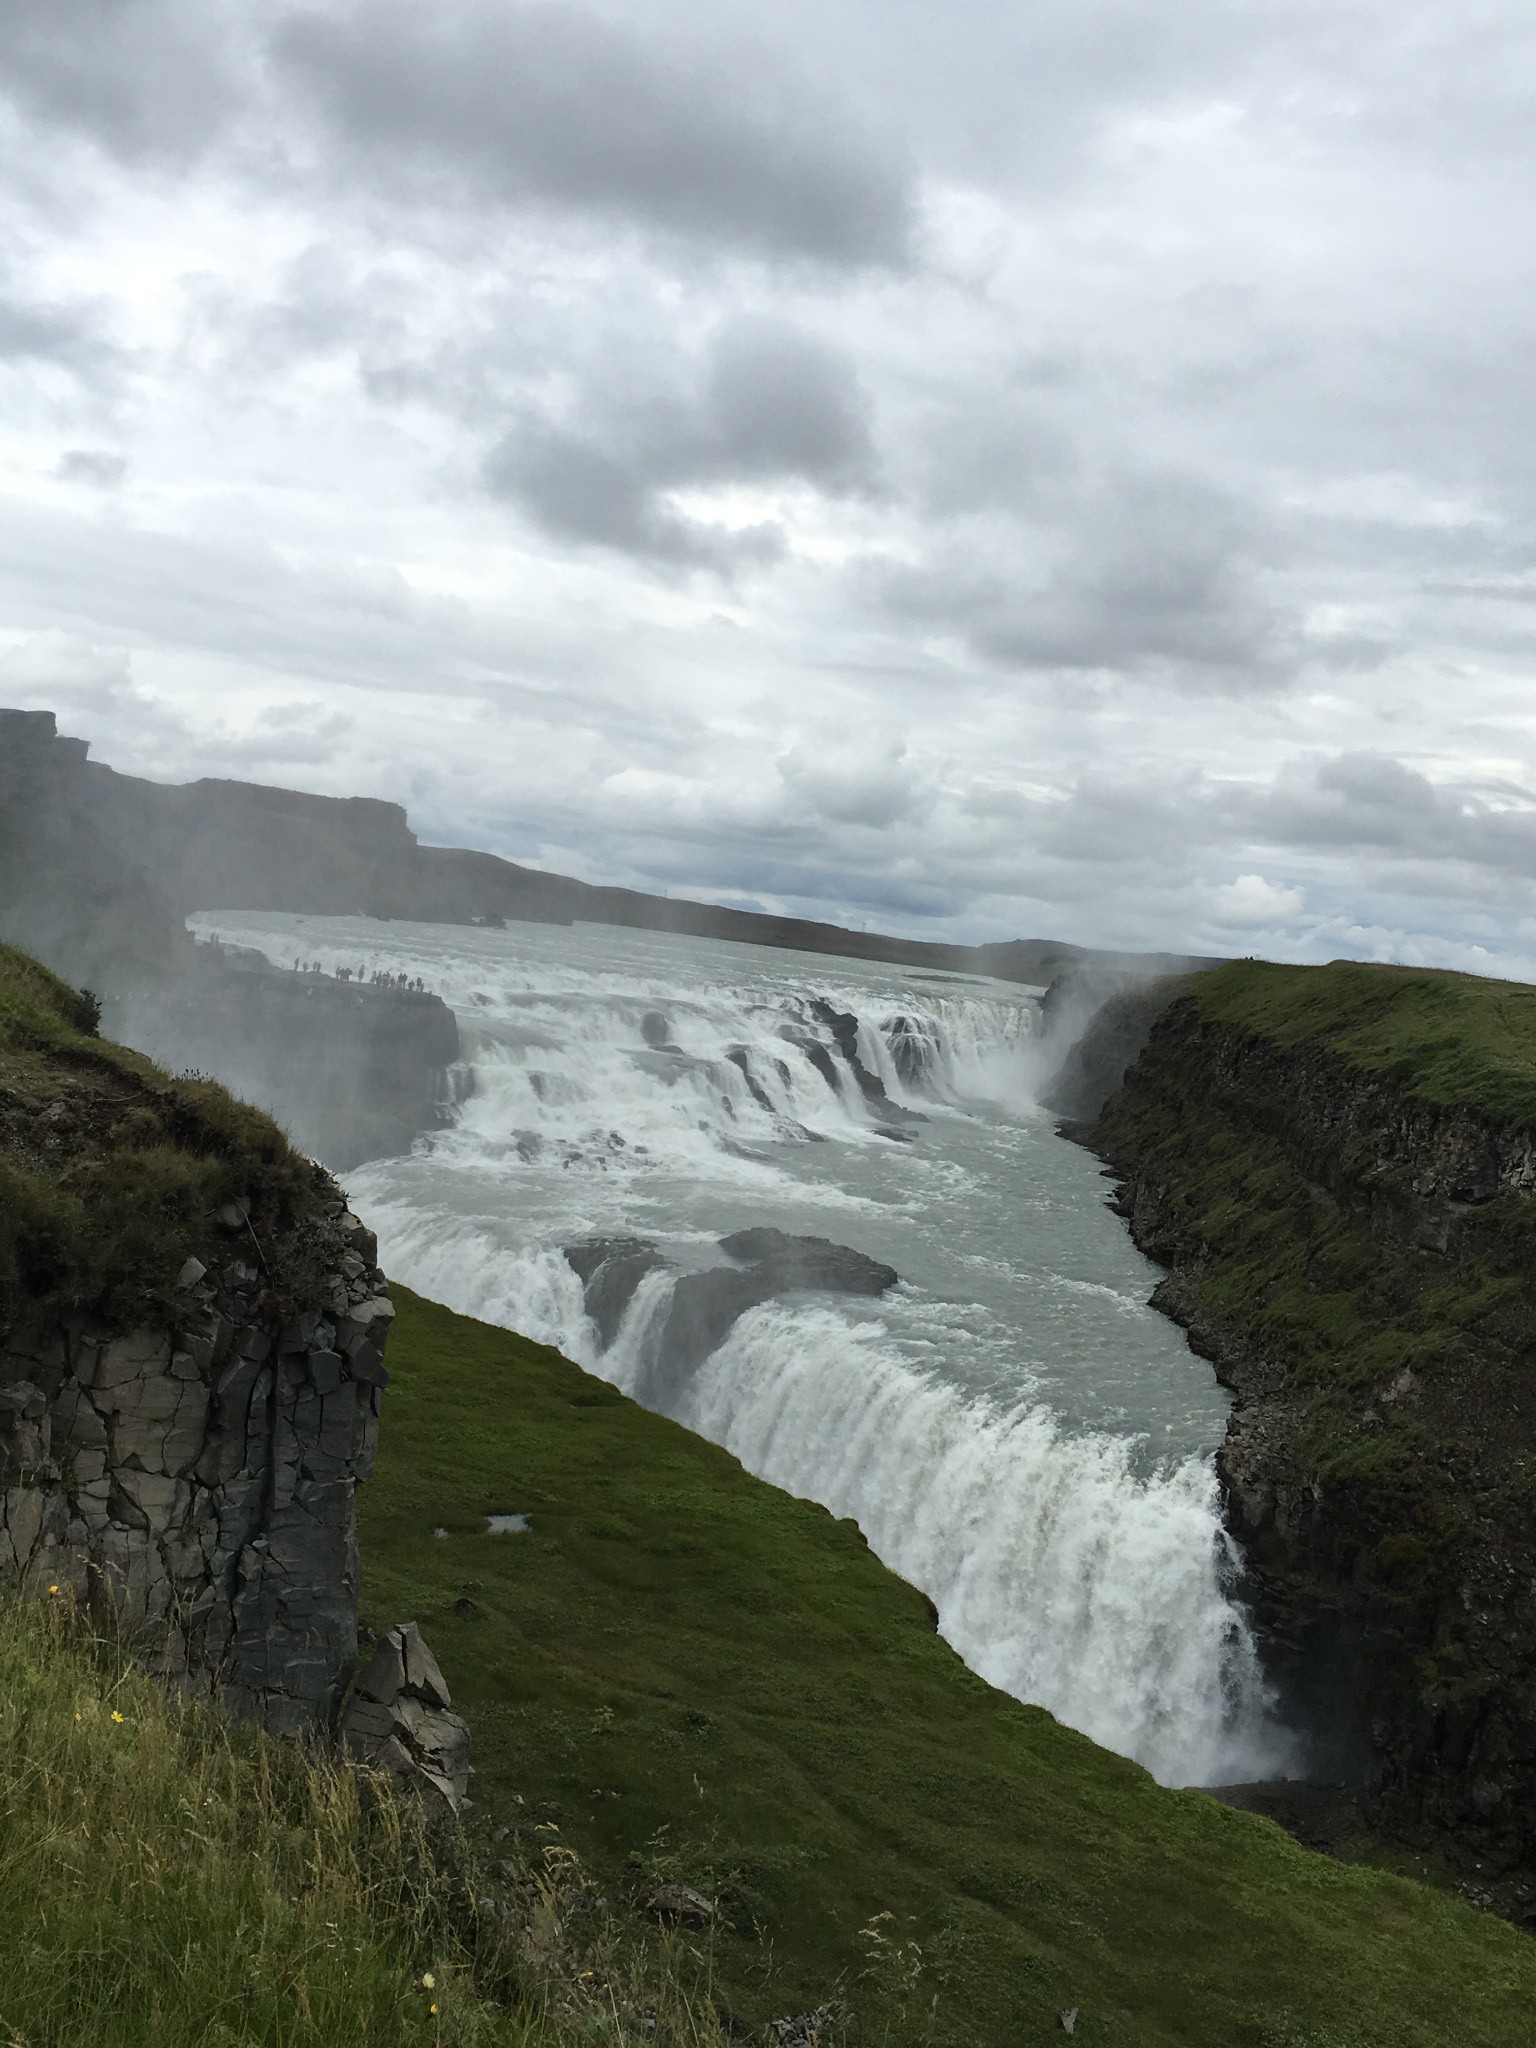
{"points": [[983, 470]]}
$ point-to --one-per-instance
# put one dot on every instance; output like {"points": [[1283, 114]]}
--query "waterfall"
{"points": [[1014, 1431]]}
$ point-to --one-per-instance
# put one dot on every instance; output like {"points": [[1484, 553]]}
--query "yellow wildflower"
{"points": [[428, 1981], [432, 2008], [116, 1715], [53, 1589]]}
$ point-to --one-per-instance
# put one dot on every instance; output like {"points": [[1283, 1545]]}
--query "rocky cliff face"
{"points": [[98, 872], [192, 1335], [1359, 1260], [198, 1481], [352, 1072], [1102, 1022]]}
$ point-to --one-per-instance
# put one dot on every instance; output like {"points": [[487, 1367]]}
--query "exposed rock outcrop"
{"points": [[765, 1264], [198, 1482], [1110, 1031], [351, 1071], [843, 1028], [399, 1719], [98, 873]]}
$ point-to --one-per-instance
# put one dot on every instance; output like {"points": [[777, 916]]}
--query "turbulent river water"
{"points": [[1015, 1431]]}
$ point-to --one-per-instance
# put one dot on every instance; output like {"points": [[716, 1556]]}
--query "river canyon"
{"points": [[652, 1131]]}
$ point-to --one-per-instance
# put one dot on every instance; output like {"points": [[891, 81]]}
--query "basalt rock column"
{"points": [[198, 1482]]}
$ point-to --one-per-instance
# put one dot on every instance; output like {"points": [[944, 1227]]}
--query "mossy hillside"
{"points": [[111, 1172], [1458, 1040], [1303, 1274], [689, 1674]]}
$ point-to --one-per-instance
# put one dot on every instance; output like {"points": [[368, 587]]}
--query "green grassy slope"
{"points": [[1445, 1037], [169, 1880], [691, 1675]]}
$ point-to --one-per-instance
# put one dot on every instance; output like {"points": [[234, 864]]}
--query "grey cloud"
{"points": [[145, 79], [562, 107], [72, 670], [1419, 830], [96, 466], [1160, 575], [33, 330], [577, 491], [1193, 380], [875, 786], [767, 403], [780, 403]]}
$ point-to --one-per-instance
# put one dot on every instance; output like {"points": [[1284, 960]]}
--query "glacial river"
{"points": [[1015, 1431]]}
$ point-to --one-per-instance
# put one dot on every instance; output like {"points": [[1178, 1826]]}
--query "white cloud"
{"points": [[1252, 904]]}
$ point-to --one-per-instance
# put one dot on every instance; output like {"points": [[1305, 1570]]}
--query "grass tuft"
{"points": [[170, 1879], [111, 1172]]}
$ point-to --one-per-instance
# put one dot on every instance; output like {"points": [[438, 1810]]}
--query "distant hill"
{"points": [[94, 865]]}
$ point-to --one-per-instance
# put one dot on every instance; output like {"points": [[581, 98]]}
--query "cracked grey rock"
{"points": [[197, 1486], [399, 1719]]}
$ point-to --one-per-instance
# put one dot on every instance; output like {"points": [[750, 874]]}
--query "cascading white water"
{"points": [[1058, 1573], [1013, 1429]]}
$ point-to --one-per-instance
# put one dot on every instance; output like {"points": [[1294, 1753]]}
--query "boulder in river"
{"points": [[771, 1263], [765, 1264], [610, 1269]]}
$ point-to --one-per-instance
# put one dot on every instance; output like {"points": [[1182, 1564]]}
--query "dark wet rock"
{"points": [[914, 1048], [1324, 1817], [808, 1262], [610, 1269], [766, 1264], [818, 1055], [741, 1059], [844, 1029], [705, 1306], [656, 1030]]}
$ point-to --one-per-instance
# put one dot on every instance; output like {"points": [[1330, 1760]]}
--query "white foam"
{"points": [[1067, 1565], [1058, 1573]]}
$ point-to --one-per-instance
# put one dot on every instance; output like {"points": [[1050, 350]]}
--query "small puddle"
{"points": [[506, 1525]]}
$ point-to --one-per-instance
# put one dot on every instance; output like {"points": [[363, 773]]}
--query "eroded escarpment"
{"points": [[192, 1330], [1338, 1165]]}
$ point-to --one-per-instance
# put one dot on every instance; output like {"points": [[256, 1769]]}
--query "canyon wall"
{"points": [[352, 1072], [1338, 1165]]}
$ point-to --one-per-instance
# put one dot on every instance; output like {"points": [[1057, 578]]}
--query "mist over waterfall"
{"points": [[808, 1208]]}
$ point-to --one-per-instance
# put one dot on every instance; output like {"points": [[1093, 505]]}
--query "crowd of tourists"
{"points": [[379, 978]]}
